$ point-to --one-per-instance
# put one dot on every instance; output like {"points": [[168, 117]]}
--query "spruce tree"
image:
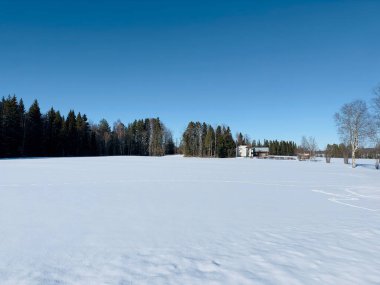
{"points": [[34, 125], [1, 128], [104, 137], [11, 127], [220, 150], [209, 141], [23, 118], [83, 135], [229, 143], [49, 133], [71, 144]]}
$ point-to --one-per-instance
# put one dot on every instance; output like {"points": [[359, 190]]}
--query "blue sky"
{"points": [[271, 69]]}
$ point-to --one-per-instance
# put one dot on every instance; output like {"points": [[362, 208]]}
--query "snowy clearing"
{"points": [[174, 220]]}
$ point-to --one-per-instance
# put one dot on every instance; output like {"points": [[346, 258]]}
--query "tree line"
{"points": [[203, 140], [276, 147], [33, 134], [30, 133], [337, 150], [286, 148]]}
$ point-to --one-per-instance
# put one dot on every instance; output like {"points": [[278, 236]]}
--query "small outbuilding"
{"points": [[303, 156], [260, 152]]}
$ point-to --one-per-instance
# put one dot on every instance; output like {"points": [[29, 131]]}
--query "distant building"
{"points": [[243, 151], [260, 152], [303, 156], [246, 151]]}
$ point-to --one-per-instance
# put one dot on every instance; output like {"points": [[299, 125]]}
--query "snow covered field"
{"points": [[174, 220]]}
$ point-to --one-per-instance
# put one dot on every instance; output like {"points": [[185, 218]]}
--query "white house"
{"points": [[242, 151], [245, 151]]}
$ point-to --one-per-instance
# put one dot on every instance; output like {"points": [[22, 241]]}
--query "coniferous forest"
{"points": [[29, 133], [285, 148], [278, 147], [202, 140]]}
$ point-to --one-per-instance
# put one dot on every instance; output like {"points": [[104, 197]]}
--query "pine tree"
{"points": [[203, 139], [93, 145], [229, 143], [209, 141], [71, 145], [187, 144], [104, 137], [22, 134], [1, 128], [59, 134], [11, 127], [49, 133], [240, 139], [83, 130], [34, 131]]}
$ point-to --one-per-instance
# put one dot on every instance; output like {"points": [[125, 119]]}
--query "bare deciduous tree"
{"points": [[355, 125], [120, 130], [313, 146], [376, 104], [309, 145], [376, 108]]}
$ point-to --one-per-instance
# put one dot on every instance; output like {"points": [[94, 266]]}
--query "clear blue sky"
{"points": [[271, 69]]}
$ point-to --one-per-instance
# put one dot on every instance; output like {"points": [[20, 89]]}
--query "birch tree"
{"points": [[376, 108], [309, 145], [355, 125], [376, 105]]}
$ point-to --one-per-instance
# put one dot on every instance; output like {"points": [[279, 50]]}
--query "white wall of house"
{"points": [[242, 151]]}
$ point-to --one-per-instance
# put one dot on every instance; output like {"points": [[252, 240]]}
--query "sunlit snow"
{"points": [[175, 220]]}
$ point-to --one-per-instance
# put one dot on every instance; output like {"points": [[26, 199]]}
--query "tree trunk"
{"points": [[345, 156], [353, 160]]}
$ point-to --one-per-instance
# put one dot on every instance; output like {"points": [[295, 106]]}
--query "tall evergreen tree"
{"points": [[22, 136], [11, 127], [50, 136], [104, 137], [71, 145], [34, 131], [229, 143], [83, 130], [1, 128], [210, 141]]}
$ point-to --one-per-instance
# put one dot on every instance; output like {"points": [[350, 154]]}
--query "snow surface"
{"points": [[174, 220]]}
